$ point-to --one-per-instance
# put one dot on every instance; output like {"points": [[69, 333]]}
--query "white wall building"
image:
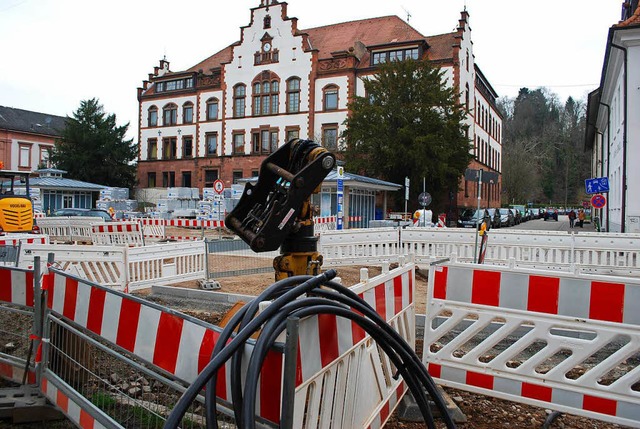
{"points": [[613, 124]]}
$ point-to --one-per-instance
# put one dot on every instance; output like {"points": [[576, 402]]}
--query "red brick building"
{"points": [[221, 117]]}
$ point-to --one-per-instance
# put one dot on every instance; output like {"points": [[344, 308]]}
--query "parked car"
{"points": [[506, 217], [551, 214], [537, 213], [520, 214], [494, 214], [84, 212], [469, 218]]}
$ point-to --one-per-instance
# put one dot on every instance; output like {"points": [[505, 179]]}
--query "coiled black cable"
{"points": [[332, 299]]}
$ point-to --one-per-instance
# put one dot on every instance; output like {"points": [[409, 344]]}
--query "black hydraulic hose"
{"points": [[352, 300], [311, 306], [322, 301], [227, 333], [268, 294], [190, 394]]}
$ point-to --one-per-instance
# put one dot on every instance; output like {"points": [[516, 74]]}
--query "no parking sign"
{"points": [[598, 201]]}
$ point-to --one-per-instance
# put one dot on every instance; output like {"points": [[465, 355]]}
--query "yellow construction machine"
{"points": [[16, 211]]}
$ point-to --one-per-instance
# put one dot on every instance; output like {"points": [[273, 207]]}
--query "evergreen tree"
{"points": [[410, 124], [94, 149]]}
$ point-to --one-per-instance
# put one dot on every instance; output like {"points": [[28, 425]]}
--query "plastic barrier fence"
{"points": [[338, 362], [116, 233], [601, 253], [180, 346], [69, 228], [550, 339], [125, 268]]}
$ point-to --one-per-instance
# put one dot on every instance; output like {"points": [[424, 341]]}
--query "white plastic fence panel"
{"points": [[68, 228], [359, 246], [153, 228], [117, 233], [340, 362], [165, 263], [104, 265], [555, 340]]}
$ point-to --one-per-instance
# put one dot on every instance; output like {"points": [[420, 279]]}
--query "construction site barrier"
{"points": [[549, 339], [125, 268], [17, 324], [68, 228], [338, 361], [114, 233], [97, 341], [598, 253]]}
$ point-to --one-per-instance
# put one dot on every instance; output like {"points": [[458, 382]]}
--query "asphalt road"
{"points": [[551, 225]]}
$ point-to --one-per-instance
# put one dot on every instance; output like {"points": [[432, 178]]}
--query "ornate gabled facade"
{"points": [[221, 117], [613, 128]]}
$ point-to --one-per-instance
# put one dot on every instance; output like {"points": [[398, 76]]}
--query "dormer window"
{"points": [[395, 55], [174, 85], [267, 22]]}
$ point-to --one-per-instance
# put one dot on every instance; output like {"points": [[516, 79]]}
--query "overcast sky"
{"points": [[55, 53]]}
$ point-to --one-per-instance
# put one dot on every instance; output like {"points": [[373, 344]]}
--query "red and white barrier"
{"points": [[16, 286], [174, 342], [525, 335], [337, 362], [15, 239], [182, 346], [15, 373], [71, 409], [126, 233]]}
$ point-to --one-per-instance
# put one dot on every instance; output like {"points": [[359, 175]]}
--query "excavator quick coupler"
{"points": [[271, 209]]}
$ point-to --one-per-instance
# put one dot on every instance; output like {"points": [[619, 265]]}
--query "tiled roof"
{"points": [[373, 31], [31, 122], [342, 36], [214, 61], [633, 20], [441, 46]]}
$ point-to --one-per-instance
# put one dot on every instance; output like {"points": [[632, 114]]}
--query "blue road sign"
{"points": [[597, 185]]}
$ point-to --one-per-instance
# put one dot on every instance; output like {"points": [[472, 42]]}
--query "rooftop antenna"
{"points": [[407, 12]]}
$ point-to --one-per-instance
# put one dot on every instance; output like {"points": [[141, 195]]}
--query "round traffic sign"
{"points": [[598, 201], [424, 199], [218, 186]]}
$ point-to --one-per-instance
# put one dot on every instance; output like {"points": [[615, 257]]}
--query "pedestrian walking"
{"points": [[581, 218], [572, 218]]}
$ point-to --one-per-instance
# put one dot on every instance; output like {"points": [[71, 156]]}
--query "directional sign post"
{"points": [[597, 185], [340, 196]]}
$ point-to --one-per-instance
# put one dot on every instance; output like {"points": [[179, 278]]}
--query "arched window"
{"points": [[212, 109], [170, 114], [330, 97], [267, 22], [293, 95], [153, 116], [187, 113], [239, 101], [266, 94]]}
